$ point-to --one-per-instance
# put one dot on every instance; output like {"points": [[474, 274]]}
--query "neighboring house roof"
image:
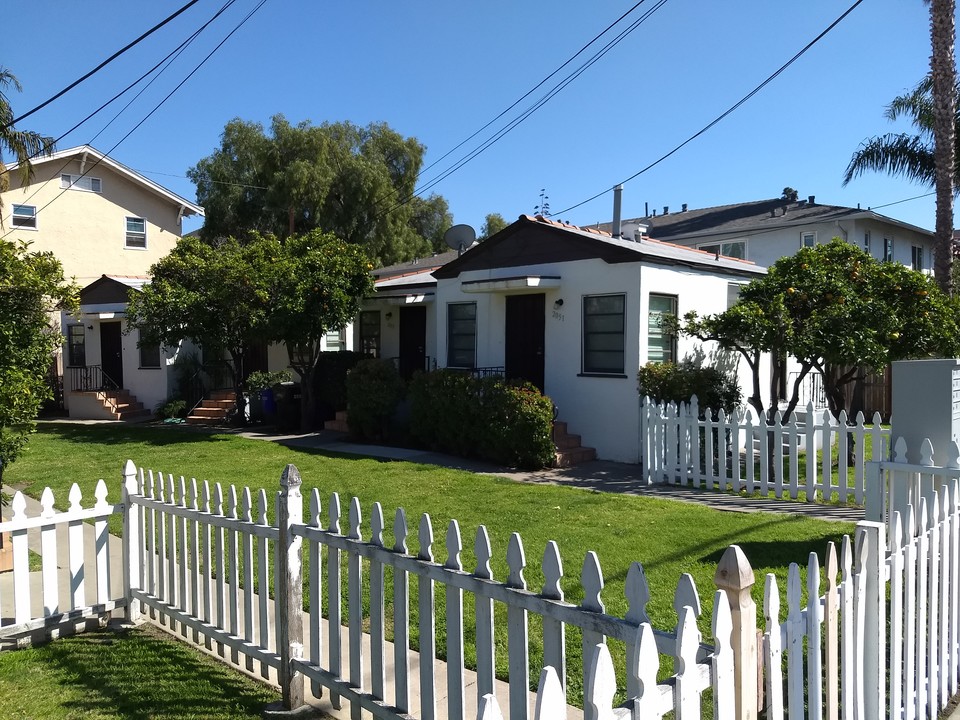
{"points": [[751, 217], [95, 157], [415, 266], [548, 241]]}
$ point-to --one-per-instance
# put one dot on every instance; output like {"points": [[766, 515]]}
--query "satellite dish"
{"points": [[460, 237]]}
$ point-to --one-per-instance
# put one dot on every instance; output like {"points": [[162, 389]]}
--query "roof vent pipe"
{"points": [[666, 209], [617, 195], [810, 199], [683, 208]]}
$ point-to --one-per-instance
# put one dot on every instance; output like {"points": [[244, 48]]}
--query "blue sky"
{"points": [[438, 71]]}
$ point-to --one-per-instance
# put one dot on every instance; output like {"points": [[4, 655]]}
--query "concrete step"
{"points": [[205, 412], [567, 441], [574, 456], [559, 427]]}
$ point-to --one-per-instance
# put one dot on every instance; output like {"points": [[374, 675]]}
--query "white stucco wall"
{"points": [[604, 410]]}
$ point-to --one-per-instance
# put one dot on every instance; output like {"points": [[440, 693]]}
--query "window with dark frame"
{"points": [[661, 345], [149, 355], [24, 216], [76, 346], [462, 335], [370, 333], [916, 257], [888, 249], [603, 334]]}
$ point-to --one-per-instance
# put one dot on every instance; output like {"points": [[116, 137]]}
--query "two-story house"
{"points": [[107, 224]]}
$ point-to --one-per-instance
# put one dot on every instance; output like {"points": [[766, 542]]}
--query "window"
{"points": [[887, 250], [80, 182], [462, 335], [866, 242], [733, 294], [661, 346], [736, 249], [24, 216], [76, 346], [335, 340], [370, 333], [136, 232], [808, 239], [149, 354], [603, 325], [916, 257]]}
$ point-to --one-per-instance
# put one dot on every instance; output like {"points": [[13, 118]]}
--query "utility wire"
{"points": [[536, 106], [102, 65], [727, 112], [158, 105]]}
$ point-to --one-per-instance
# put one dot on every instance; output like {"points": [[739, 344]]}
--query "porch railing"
{"points": [[90, 378]]}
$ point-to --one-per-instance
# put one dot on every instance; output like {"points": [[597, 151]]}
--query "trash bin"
{"points": [[287, 396], [269, 404]]}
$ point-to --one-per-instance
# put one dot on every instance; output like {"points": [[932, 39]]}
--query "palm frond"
{"points": [[896, 154]]}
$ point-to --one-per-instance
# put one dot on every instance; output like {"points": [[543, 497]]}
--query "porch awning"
{"points": [[530, 283], [411, 299]]}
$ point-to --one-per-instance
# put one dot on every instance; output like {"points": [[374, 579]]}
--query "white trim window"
{"points": [[462, 334], [136, 233], [661, 345], [887, 250], [916, 257], [808, 239], [866, 242], [80, 182], [733, 248], [24, 217], [604, 328]]}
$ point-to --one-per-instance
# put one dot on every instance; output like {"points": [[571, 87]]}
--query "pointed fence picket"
{"points": [[730, 451]]}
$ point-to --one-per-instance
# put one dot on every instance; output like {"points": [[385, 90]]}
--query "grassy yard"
{"points": [[141, 673], [668, 538]]}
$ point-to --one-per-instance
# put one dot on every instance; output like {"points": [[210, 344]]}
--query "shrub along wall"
{"points": [[669, 382], [330, 387], [506, 422], [374, 389]]}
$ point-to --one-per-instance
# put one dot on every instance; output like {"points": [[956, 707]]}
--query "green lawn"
{"points": [[137, 673], [668, 538]]}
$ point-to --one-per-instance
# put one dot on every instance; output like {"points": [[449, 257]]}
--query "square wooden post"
{"points": [[289, 575], [735, 577], [132, 564]]}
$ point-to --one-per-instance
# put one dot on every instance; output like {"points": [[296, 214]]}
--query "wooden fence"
{"points": [[811, 456], [872, 631]]}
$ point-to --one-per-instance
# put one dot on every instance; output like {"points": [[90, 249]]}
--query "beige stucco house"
{"points": [[107, 224]]}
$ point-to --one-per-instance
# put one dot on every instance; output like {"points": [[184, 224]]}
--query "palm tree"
{"points": [[929, 156], [24, 145]]}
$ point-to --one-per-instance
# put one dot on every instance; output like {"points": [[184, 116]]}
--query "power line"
{"points": [[897, 202], [158, 105], [727, 112], [102, 65]]}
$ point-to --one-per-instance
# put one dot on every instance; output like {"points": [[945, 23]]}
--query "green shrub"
{"points": [[261, 380], [507, 422], [374, 389], [670, 382], [171, 408]]}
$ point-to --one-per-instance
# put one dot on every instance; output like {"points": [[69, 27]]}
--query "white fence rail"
{"points": [[782, 459], [873, 631], [74, 580]]}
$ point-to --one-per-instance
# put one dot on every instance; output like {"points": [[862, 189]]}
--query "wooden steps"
{"points": [[339, 423], [569, 450], [214, 410], [122, 405]]}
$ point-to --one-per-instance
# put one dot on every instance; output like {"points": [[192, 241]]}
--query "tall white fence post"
{"points": [[871, 560], [131, 540], [735, 577], [289, 606]]}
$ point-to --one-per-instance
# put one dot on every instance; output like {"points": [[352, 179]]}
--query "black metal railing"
{"points": [[90, 378]]}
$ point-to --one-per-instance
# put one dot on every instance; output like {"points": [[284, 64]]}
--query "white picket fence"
{"points": [[731, 452], [198, 558]]}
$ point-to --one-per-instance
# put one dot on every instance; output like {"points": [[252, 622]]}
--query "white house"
{"points": [[574, 311]]}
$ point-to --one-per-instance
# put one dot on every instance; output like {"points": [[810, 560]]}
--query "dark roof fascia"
{"points": [[105, 290]]}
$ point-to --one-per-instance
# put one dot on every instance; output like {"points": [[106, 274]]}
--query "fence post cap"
{"points": [[734, 571], [290, 477]]}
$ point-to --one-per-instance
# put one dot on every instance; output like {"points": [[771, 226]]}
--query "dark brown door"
{"points": [[523, 356], [413, 340], [111, 353]]}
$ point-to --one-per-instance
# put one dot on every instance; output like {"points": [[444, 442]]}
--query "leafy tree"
{"points": [[215, 296], [318, 283], [32, 287], [789, 194], [23, 144], [430, 219], [914, 157], [834, 309], [492, 224], [355, 182]]}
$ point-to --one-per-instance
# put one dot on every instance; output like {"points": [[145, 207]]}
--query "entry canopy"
{"points": [[532, 283]]}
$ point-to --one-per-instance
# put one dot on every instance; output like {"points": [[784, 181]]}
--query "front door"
{"points": [[413, 340], [523, 354], [111, 353]]}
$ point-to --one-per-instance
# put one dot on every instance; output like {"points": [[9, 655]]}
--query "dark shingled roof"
{"points": [[748, 217]]}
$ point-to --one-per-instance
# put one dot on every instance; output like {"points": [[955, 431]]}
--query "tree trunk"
{"points": [[943, 71], [308, 411]]}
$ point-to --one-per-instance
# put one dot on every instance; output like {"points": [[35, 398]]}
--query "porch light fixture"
{"points": [[558, 302], [389, 315]]}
